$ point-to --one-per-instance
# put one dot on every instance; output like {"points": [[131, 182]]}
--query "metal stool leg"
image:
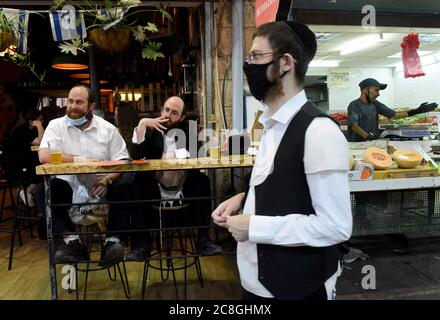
{"points": [[145, 278], [126, 287], [11, 246]]}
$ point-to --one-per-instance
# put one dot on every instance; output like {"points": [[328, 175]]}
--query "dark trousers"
{"points": [[144, 216], [61, 192]]}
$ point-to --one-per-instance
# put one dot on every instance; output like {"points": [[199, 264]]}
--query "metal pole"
{"points": [[237, 64], [208, 62], [50, 243], [94, 81]]}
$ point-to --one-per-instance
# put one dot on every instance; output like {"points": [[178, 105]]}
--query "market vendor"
{"points": [[363, 113]]}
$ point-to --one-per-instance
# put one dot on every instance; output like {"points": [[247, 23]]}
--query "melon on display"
{"points": [[379, 158], [407, 158], [350, 161]]}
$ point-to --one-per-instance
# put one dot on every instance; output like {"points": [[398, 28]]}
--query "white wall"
{"points": [[410, 92], [340, 98], [400, 93]]}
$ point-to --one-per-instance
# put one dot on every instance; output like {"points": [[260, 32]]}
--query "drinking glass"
{"points": [[55, 153]]}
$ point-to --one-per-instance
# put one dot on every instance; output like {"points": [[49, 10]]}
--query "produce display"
{"points": [[417, 119], [407, 158], [379, 158], [339, 117]]}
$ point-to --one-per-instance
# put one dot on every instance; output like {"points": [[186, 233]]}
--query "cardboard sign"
{"points": [[265, 11]]}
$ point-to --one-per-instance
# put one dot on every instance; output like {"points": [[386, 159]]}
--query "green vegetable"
{"points": [[409, 120]]}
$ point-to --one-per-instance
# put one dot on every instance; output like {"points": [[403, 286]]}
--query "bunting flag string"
{"points": [[67, 25], [20, 21]]}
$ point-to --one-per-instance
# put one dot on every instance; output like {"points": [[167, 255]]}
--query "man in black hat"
{"points": [[297, 208], [363, 119]]}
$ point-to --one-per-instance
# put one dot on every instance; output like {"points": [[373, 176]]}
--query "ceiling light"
{"points": [[129, 96], [80, 75], [325, 36], [100, 81], [421, 53], [324, 63], [424, 61], [429, 37], [359, 44], [69, 62]]}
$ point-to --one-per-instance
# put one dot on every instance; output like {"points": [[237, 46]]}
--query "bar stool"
{"points": [[23, 216], [91, 226], [173, 225]]}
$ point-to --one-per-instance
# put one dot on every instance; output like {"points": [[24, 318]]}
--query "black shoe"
{"points": [[206, 247], [111, 253], [139, 254], [72, 252]]}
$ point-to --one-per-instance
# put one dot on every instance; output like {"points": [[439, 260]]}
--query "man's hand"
{"points": [[238, 226], [227, 208], [37, 123], [424, 107], [156, 124], [100, 188], [427, 107], [371, 136]]}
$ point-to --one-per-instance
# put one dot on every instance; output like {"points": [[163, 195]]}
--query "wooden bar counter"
{"points": [[145, 165], [93, 167]]}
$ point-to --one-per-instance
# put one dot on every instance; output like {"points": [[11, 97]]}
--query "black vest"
{"points": [[291, 272]]}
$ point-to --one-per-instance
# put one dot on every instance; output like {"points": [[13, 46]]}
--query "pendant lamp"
{"points": [[87, 81], [80, 75], [69, 62]]}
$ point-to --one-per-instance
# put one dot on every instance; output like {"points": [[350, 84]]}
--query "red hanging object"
{"points": [[412, 66]]}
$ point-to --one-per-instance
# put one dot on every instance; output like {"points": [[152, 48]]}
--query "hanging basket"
{"points": [[6, 39], [111, 40]]}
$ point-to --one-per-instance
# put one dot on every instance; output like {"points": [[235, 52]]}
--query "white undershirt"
{"points": [[325, 163], [169, 144]]}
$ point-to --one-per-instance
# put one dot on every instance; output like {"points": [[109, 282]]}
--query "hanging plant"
{"points": [[8, 50], [113, 30], [8, 34]]}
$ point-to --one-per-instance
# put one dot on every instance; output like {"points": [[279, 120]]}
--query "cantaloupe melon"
{"points": [[350, 161], [407, 158], [379, 158]]}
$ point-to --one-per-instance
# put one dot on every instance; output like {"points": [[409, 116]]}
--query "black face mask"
{"points": [[256, 75]]}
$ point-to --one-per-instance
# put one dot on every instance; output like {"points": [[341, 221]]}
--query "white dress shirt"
{"points": [[326, 164], [100, 140]]}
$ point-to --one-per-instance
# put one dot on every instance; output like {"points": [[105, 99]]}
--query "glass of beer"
{"points": [[215, 152], [55, 153]]}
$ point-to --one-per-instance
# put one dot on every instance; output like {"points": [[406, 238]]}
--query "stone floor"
{"points": [[399, 267]]}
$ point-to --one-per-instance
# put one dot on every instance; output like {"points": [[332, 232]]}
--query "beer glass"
{"points": [[55, 153]]}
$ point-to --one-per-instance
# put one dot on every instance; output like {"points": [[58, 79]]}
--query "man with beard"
{"points": [[363, 119], [80, 133], [297, 208], [165, 137]]}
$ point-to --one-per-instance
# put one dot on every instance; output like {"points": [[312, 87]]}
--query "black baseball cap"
{"points": [[370, 82]]}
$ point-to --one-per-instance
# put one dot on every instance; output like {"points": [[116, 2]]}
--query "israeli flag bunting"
{"points": [[20, 21], [67, 25], [116, 13]]}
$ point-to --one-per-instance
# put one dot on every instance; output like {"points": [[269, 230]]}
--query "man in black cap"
{"points": [[363, 119], [297, 208]]}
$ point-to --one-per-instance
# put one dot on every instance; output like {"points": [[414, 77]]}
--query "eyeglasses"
{"points": [[254, 56], [174, 113]]}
